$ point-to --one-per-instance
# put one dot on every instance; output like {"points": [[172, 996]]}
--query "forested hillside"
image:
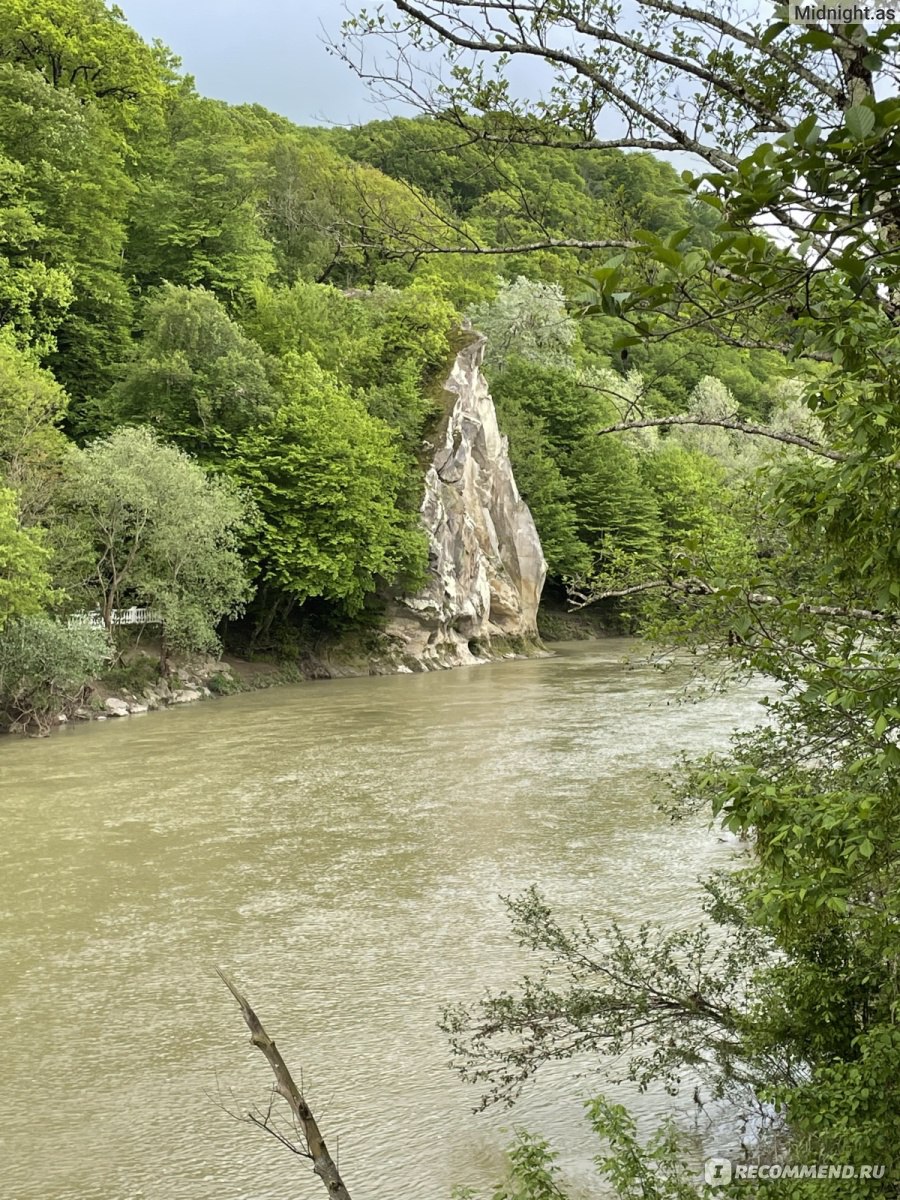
{"points": [[223, 338]]}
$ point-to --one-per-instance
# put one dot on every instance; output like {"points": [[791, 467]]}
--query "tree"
{"points": [[390, 347], [591, 500], [46, 668], [32, 447], [81, 45], [161, 532], [543, 486], [333, 220], [326, 477], [63, 231], [33, 296], [195, 218], [24, 578], [750, 79], [527, 319], [194, 376], [503, 193]]}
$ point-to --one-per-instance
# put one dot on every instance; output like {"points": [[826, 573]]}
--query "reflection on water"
{"points": [[339, 847]]}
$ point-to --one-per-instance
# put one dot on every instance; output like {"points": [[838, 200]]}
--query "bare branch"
{"points": [[791, 439], [323, 1164], [698, 587], [627, 103], [527, 247], [749, 39]]}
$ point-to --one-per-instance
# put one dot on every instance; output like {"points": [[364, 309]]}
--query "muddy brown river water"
{"points": [[339, 847]]}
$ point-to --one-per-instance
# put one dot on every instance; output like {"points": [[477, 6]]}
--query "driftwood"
{"points": [[316, 1151]]}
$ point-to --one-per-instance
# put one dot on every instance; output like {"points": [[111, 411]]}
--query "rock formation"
{"points": [[486, 568]]}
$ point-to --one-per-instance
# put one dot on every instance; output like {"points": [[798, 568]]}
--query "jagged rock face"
{"points": [[486, 568]]}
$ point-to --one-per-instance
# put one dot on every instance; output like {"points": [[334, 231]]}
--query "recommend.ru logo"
{"points": [[722, 1171]]}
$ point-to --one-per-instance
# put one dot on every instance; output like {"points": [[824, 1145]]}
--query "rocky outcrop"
{"points": [[486, 568]]}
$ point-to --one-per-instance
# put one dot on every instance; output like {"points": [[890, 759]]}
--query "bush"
{"points": [[45, 670]]}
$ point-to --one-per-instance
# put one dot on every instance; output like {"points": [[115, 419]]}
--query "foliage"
{"points": [[195, 217], [32, 447], [814, 606], [45, 669], [630, 995], [195, 376], [527, 319], [164, 256], [81, 45], [24, 578], [65, 201], [543, 486], [326, 476], [159, 531], [33, 296], [507, 192], [332, 220], [385, 345], [656, 1171]]}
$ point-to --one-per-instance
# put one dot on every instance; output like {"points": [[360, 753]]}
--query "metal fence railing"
{"points": [[136, 615]]}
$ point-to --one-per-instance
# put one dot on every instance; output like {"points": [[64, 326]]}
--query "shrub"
{"points": [[45, 670]]}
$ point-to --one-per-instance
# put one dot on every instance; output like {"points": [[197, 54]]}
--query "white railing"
{"points": [[136, 615]]}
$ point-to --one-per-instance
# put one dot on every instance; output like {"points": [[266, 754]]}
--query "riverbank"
{"points": [[136, 686]]}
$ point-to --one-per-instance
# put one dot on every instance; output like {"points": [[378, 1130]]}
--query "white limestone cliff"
{"points": [[486, 568]]}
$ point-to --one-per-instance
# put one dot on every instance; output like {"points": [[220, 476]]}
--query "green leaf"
{"points": [[819, 39], [772, 32], [859, 121]]}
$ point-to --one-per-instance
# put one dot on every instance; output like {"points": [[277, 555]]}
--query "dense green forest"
{"points": [[208, 301]]}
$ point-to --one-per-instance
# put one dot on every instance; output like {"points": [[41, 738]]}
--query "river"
{"points": [[339, 848]]}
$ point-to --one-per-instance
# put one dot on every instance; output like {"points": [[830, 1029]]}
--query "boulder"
{"points": [[116, 707]]}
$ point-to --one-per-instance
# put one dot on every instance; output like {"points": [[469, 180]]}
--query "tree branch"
{"points": [[791, 439], [526, 247], [323, 1164], [698, 587], [627, 104]]}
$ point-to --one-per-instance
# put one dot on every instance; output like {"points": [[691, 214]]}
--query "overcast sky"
{"points": [[264, 51]]}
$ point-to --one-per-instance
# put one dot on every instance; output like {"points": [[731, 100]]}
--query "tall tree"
{"points": [[195, 218], [326, 477], [32, 446], [194, 375], [160, 532], [81, 45], [24, 577], [63, 236]]}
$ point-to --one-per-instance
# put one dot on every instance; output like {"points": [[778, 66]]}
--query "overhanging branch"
{"points": [[698, 587], [776, 435]]}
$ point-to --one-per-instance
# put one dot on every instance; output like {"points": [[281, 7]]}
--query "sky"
{"points": [[268, 52]]}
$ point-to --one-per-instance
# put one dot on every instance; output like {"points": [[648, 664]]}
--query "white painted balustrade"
{"points": [[136, 615]]}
